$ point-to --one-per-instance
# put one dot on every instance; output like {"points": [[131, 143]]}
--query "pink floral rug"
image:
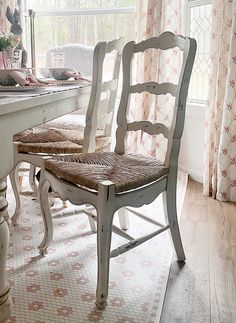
{"points": [[61, 286]]}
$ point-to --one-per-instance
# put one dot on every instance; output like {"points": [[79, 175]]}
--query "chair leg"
{"points": [[32, 183], [92, 224], [19, 178], [104, 232], [16, 187], [123, 218], [169, 204], [46, 214]]}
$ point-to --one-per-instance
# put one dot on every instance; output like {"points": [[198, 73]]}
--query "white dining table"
{"points": [[20, 111]]}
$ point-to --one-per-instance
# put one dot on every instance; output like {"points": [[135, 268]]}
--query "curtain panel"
{"points": [[154, 17], [220, 139]]}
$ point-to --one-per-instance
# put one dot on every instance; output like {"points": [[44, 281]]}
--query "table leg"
{"points": [[5, 298]]}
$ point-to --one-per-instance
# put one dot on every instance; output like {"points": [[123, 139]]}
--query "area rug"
{"points": [[61, 286]]}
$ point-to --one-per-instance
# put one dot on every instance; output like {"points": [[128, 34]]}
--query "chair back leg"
{"points": [[46, 214]]}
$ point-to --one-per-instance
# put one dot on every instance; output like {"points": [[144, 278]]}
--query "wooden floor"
{"points": [[204, 289]]}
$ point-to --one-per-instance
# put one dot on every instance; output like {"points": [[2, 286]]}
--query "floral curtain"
{"points": [[153, 18], [4, 23], [220, 143]]}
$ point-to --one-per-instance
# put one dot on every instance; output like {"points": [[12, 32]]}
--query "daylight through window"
{"points": [[199, 13], [60, 22]]}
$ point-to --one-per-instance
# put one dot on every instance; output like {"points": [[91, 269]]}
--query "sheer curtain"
{"points": [[154, 17], [220, 143], [4, 24]]}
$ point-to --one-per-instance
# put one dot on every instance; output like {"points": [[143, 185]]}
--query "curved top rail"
{"points": [[166, 40]]}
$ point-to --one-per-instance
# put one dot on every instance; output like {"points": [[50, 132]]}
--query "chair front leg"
{"points": [[46, 214], [14, 178], [105, 215]]}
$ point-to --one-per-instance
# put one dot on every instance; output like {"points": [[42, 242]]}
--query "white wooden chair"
{"points": [[113, 180], [32, 147]]}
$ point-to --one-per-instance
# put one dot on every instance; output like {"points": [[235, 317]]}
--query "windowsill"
{"points": [[195, 110]]}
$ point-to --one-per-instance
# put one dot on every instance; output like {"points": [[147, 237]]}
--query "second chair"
{"points": [[32, 147]]}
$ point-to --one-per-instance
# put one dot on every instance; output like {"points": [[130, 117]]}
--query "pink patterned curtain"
{"points": [[153, 18], [220, 144]]}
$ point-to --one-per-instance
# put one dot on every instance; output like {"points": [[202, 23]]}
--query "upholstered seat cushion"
{"points": [[55, 141], [127, 171]]}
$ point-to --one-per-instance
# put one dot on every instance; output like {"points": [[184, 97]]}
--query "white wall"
{"points": [[192, 146]]}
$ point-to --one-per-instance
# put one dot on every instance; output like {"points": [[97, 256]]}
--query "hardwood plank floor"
{"points": [[204, 289]]}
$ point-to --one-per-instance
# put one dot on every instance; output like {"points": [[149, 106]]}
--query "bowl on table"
{"points": [[61, 73]]}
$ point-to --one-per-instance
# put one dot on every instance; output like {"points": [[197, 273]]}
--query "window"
{"points": [[199, 27], [59, 22]]}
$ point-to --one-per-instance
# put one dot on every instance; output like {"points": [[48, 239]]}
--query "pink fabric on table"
{"points": [[23, 77]]}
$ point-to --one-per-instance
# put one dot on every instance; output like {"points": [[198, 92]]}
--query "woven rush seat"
{"points": [[55, 141], [68, 121], [127, 171]]}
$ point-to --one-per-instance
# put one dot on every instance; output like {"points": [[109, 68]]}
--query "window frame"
{"points": [[187, 5], [65, 13]]}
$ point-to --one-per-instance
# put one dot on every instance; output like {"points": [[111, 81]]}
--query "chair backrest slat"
{"points": [[150, 128], [154, 88], [165, 41]]}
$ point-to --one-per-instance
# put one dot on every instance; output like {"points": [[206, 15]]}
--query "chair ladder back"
{"points": [[165, 41], [98, 113], [177, 125]]}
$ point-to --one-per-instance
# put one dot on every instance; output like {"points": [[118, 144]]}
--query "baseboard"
{"points": [[193, 174]]}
